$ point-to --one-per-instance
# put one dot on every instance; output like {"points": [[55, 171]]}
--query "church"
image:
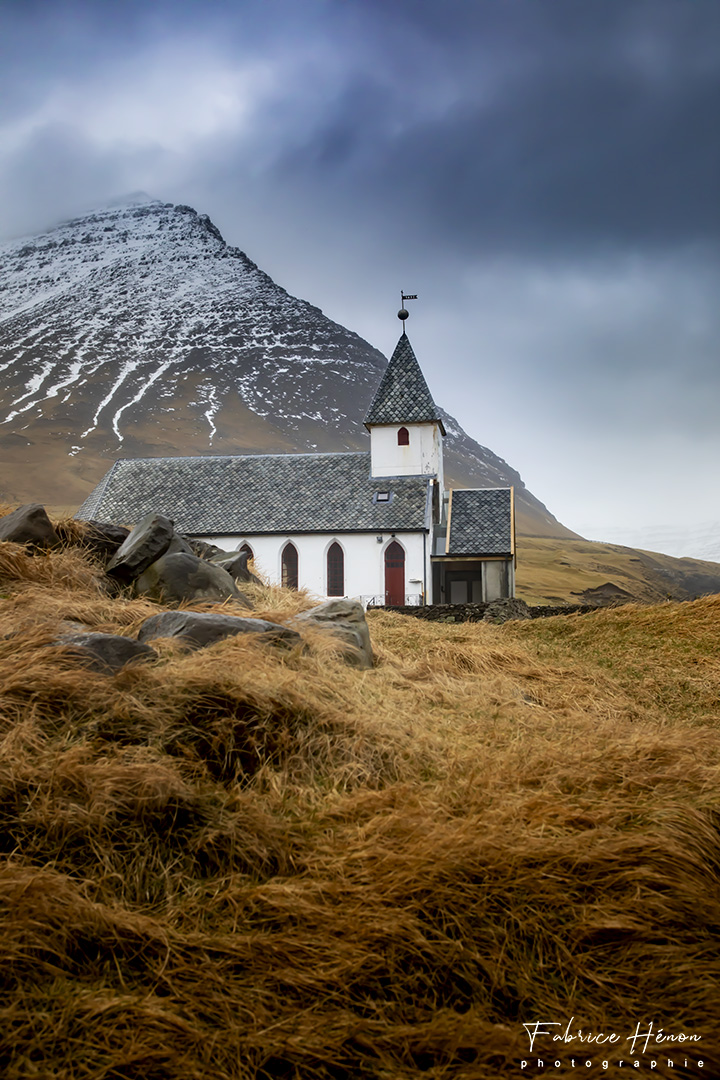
{"points": [[375, 526]]}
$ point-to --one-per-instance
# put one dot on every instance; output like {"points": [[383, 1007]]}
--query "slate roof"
{"points": [[403, 396], [481, 522], [263, 493]]}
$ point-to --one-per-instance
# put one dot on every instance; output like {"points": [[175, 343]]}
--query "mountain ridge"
{"points": [[136, 330]]}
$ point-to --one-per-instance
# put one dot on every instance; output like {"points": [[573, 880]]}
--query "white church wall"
{"points": [[421, 457], [364, 560]]}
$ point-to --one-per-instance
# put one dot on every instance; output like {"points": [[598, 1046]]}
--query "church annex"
{"points": [[377, 526]]}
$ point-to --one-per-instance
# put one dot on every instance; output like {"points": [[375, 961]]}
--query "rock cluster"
{"points": [[160, 564], [154, 561]]}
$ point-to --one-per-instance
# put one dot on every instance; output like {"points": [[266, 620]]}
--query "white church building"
{"points": [[377, 526]]}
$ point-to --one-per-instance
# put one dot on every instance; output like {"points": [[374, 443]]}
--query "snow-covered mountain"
{"points": [[136, 330]]}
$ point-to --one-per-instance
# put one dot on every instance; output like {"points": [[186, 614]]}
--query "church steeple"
{"points": [[403, 420], [403, 396]]}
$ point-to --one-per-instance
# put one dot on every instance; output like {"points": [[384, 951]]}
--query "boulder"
{"points": [[346, 620], [148, 540], [106, 653], [607, 595], [178, 546], [181, 578], [199, 629], [29, 524], [206, 551], [236, 565], [104, 539], [501, 611]]}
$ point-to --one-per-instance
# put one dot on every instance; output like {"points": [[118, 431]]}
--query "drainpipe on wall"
{"points": [[424, 568]]}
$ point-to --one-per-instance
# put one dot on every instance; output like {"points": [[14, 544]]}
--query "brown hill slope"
{"points": [[572, 571]]}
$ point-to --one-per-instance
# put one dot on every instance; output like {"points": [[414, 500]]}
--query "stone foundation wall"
{"points": [[474, 612]]}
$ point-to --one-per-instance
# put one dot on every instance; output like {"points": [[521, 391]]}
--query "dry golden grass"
{"points": [[667, 657], [247, 862]]}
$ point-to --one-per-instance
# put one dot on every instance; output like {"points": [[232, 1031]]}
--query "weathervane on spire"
{"points": [[403, 313]]}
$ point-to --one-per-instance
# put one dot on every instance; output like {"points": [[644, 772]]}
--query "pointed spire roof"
{"points": [[403, 396]]}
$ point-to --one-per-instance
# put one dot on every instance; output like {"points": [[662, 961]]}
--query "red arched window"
{"points": [[246, 550], [335, 570], [290, 566], [403, 437]]}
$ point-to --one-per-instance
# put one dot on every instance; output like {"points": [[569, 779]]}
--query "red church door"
{"points": [[394, 575]]}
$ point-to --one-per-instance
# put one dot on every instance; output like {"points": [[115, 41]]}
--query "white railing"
{"points": [[411, 600]]}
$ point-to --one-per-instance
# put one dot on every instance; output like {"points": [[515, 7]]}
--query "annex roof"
{"points": [[480, 522], [260, 493], [403, 396]]}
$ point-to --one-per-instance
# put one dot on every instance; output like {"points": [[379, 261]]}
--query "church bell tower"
{"points": [[406, 431]]}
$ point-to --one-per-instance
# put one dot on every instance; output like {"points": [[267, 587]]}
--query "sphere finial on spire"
{"points": [[403, 313]]}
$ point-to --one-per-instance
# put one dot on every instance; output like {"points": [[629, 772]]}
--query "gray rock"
{"points": [[148, 540], [219, 555], [346, 620], [177, 579], [236, 565], [178, 546], [607, 595], [199, 629], [104, 539], [29, 524], [501, 611], [205, 551], [106, 653]]}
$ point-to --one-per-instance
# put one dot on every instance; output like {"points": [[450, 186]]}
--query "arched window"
{"points": [[335, 570], [403, 437], [290, 566], [245, 549]]}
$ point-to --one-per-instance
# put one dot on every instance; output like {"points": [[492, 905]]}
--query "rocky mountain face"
{"points": [[137, 331]]}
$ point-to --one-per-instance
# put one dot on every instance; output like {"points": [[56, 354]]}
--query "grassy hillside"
{"points": [[247, 863], [560, 570]]}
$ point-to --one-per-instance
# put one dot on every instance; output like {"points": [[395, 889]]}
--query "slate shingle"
{"points": [[481, 521], [262, 493], [403, 396]]}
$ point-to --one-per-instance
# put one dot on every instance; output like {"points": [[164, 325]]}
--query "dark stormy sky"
{"points": [[545, 174]]}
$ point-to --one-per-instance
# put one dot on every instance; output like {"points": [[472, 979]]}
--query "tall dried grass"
{"points": [[245, 862]]}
